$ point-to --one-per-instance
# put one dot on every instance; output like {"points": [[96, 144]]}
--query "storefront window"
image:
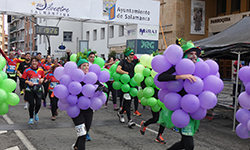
{"points": [[235, 5], [221, 6]]}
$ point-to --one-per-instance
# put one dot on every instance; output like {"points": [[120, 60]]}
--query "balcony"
{"points": [[21, 26], [13, 39], [20, 39], [13, 29]]}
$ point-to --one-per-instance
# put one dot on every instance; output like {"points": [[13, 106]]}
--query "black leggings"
{"points": [[187, 143], [136, 101], [114, 92], [14, 78], [53, 102], [85, 117], [30, 97], [154, 120], [46, 86], [126, 107]]}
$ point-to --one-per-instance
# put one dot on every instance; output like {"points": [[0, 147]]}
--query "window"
{"points": [[94, 35], [221, 6], [235, 5], [87, 35], [67, 36], [40, 39], [111, 31], [121, 30], [102, 33], [0, 34]]}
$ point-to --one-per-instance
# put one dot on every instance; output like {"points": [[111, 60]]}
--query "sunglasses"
{"points": [[131, 54]]}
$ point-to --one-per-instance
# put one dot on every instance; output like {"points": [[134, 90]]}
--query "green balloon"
{"points": [[152, 101], [8, 85], [125, 78], [144, 101], [146, 72], [4, 75], [161, 104], [99, 61], [156, 108], [3, 96], [125, 88], [132, 82], [116, 76], [1, 78], [105, 85], [117, 62], [112, 69], [73, 57], [140, 94], [117, 85], [138, 77], [139, 68], [12, 99], [4, 108], [149, 81], [148, 92], [133, 92], [2, 62]]}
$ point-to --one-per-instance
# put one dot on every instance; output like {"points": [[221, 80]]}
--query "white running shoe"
{"points": [[26, 105], [121, 117], [131, 123]]}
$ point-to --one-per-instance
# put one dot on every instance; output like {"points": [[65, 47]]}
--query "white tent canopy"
{"points": [[99, 11]]}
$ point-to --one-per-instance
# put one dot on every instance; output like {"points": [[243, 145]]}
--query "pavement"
{"points": [[107, 133]]}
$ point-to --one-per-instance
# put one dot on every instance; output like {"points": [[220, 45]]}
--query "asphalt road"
{"points": [[108, 133]]}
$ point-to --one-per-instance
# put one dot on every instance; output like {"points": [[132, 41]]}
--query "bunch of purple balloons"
{"points": [[243, 115], [201, 94], [70, 78]]}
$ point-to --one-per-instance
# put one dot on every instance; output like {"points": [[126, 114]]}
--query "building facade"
{"points": [[2, 33]]}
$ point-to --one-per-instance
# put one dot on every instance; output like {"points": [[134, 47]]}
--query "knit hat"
{"points": [[81, 61], [128, 51]]}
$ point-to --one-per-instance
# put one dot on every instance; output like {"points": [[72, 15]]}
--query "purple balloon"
{"points": [[103, 76], [73, 111], [95, 68], [244, 100], [65, 80], [175, 86], [214, 67], [242, 131], [248, 125], [185, 66], [200, 59], [62, 106], [180, 118], [72, 100], [207, 99], [59, 71], [103, 97], [88, 90], [160, 63], [244, 74], [195, 87], [217, 74], [162, 93], [69, 67], [96, 103], [61, 91], [90, 78], [190, 103], [97, 93], [161, 85], [199, 114], [201, 69], [63, 100], [75, 88], [173, 53], [172, 101], [213, 84], [84, 103], [77, 75], [243, 116]]}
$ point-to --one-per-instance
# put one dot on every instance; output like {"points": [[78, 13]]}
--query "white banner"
{"points": [[123, 11], [197, 17]]}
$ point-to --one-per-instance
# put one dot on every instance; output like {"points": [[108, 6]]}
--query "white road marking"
{"points": [[147, 129], [20, 135], [2, 132], [13, 148]]}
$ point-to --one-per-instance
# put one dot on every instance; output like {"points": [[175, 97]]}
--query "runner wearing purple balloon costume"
{"points": [[191, 52]]}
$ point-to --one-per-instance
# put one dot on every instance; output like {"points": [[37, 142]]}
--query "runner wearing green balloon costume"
{"points": [[191, 52], [126, 67]]}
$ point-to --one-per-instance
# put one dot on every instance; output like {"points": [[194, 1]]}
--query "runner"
{"points": [[187, 132], [34, 77], [52, 83], [91, 57], [47, 69], [41, 60], [24, 65], [126, 66], [19, 77], [11, 65]]}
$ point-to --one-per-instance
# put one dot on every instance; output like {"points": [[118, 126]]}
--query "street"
{"points": [[107, 132]]}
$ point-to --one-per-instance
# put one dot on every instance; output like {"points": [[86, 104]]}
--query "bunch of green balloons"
{"points": [[6, 87], [145, 73]]}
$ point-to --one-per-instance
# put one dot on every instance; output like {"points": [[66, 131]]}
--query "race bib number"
{"points": [[35, 80], [11, 69], [126, 96], [53, 84], [81, 130]]}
